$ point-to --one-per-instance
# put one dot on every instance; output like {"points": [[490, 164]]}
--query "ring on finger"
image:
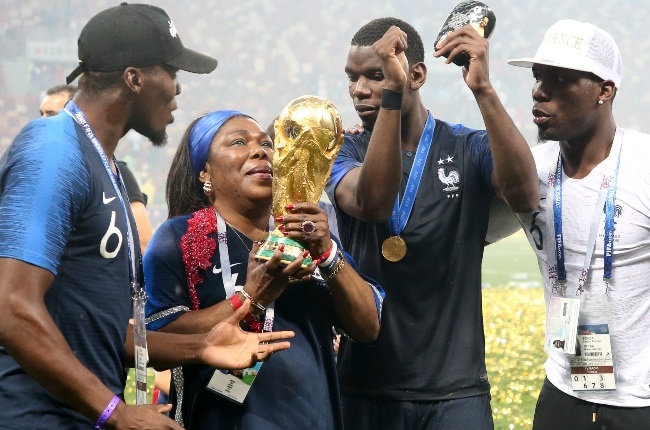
{"points": [[308, 227]]}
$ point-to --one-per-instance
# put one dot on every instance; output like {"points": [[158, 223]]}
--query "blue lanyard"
{"points": [[606, 198], [401, 212], [73, 110], [610, 209], [557, 220]]}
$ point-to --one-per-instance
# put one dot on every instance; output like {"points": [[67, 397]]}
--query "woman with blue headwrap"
{"points": [[199, 268]]}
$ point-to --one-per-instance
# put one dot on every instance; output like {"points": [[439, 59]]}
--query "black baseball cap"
{"points": [[134, 35]]}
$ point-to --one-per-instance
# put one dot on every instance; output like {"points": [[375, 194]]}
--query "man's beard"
{"points": [[543, 136], [158, 139]]}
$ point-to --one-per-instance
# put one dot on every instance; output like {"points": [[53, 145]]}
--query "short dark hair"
{"points": [[70, 89], [96, 82], [375, 29]]}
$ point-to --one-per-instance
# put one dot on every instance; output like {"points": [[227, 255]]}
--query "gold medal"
{"points": [[393, 249]]}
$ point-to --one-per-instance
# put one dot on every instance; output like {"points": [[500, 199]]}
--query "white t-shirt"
{"points": [[630, 291], [503, 222]]}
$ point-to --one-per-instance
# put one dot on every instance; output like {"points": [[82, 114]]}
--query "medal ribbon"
{"points": [[402, 211], [606, 198], [137, 291]]}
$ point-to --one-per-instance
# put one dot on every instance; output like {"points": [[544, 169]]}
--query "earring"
{"points": [[207, 187], [600, 102]]}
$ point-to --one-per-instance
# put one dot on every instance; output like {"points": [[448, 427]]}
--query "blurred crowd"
{"points": [[271, 52]]}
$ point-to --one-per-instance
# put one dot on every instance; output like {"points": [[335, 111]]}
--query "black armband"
{"points": [[391, 100]]}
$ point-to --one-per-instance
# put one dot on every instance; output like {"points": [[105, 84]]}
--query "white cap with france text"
{"points": [[576, 45]]}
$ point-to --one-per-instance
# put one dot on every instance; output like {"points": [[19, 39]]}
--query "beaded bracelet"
{"points": [[391, 100], [107, 412], [253, 302], [337, 268]]}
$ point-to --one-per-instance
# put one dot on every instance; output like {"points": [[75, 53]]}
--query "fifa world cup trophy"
{"points": [[308, 135]]}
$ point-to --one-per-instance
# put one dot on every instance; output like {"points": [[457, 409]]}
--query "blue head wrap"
{"points": [[202, 134]]}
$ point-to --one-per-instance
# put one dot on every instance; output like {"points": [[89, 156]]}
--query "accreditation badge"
{"points": [[140, 343], [592, 366], [561, 325], [234, 385]]}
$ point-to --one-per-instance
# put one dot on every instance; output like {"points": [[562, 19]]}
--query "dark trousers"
{"points": [[470, 413], [558, 411]]}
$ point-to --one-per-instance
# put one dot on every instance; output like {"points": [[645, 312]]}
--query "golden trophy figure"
{"points": [[308, 135]]}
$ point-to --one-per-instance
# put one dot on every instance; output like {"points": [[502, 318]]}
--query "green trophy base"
{"points": [[292, 249]]}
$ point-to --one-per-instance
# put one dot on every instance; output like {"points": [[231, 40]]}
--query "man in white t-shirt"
{"points": [[591, 235]]}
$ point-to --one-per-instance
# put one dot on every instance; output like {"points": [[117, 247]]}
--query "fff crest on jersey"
{"points": [[449, 177]]}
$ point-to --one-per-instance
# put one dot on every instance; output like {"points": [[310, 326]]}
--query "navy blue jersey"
{"points": [[59, 211], [296, 388], [431, 343]]}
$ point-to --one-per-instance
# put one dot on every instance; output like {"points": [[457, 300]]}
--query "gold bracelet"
{"points": [[339, 265], [253, 302]]}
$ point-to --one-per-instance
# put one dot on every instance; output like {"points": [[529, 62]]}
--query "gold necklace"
{"points": [[241, 239], [239, 236]]}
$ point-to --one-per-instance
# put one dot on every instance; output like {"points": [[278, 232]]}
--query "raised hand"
{"points": [[265, 281], [227, 346], [390, 49], [467, 40], [307, 224]]}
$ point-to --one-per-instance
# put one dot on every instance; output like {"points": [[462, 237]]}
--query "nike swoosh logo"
{"points": [[105, 200], [217, 271]]}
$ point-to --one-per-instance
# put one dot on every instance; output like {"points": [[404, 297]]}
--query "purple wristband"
{"points": [[107, 412]]}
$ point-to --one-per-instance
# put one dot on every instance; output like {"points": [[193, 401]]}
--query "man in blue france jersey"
{"points": [[54, 101], [68, 251], [427, 369]]}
